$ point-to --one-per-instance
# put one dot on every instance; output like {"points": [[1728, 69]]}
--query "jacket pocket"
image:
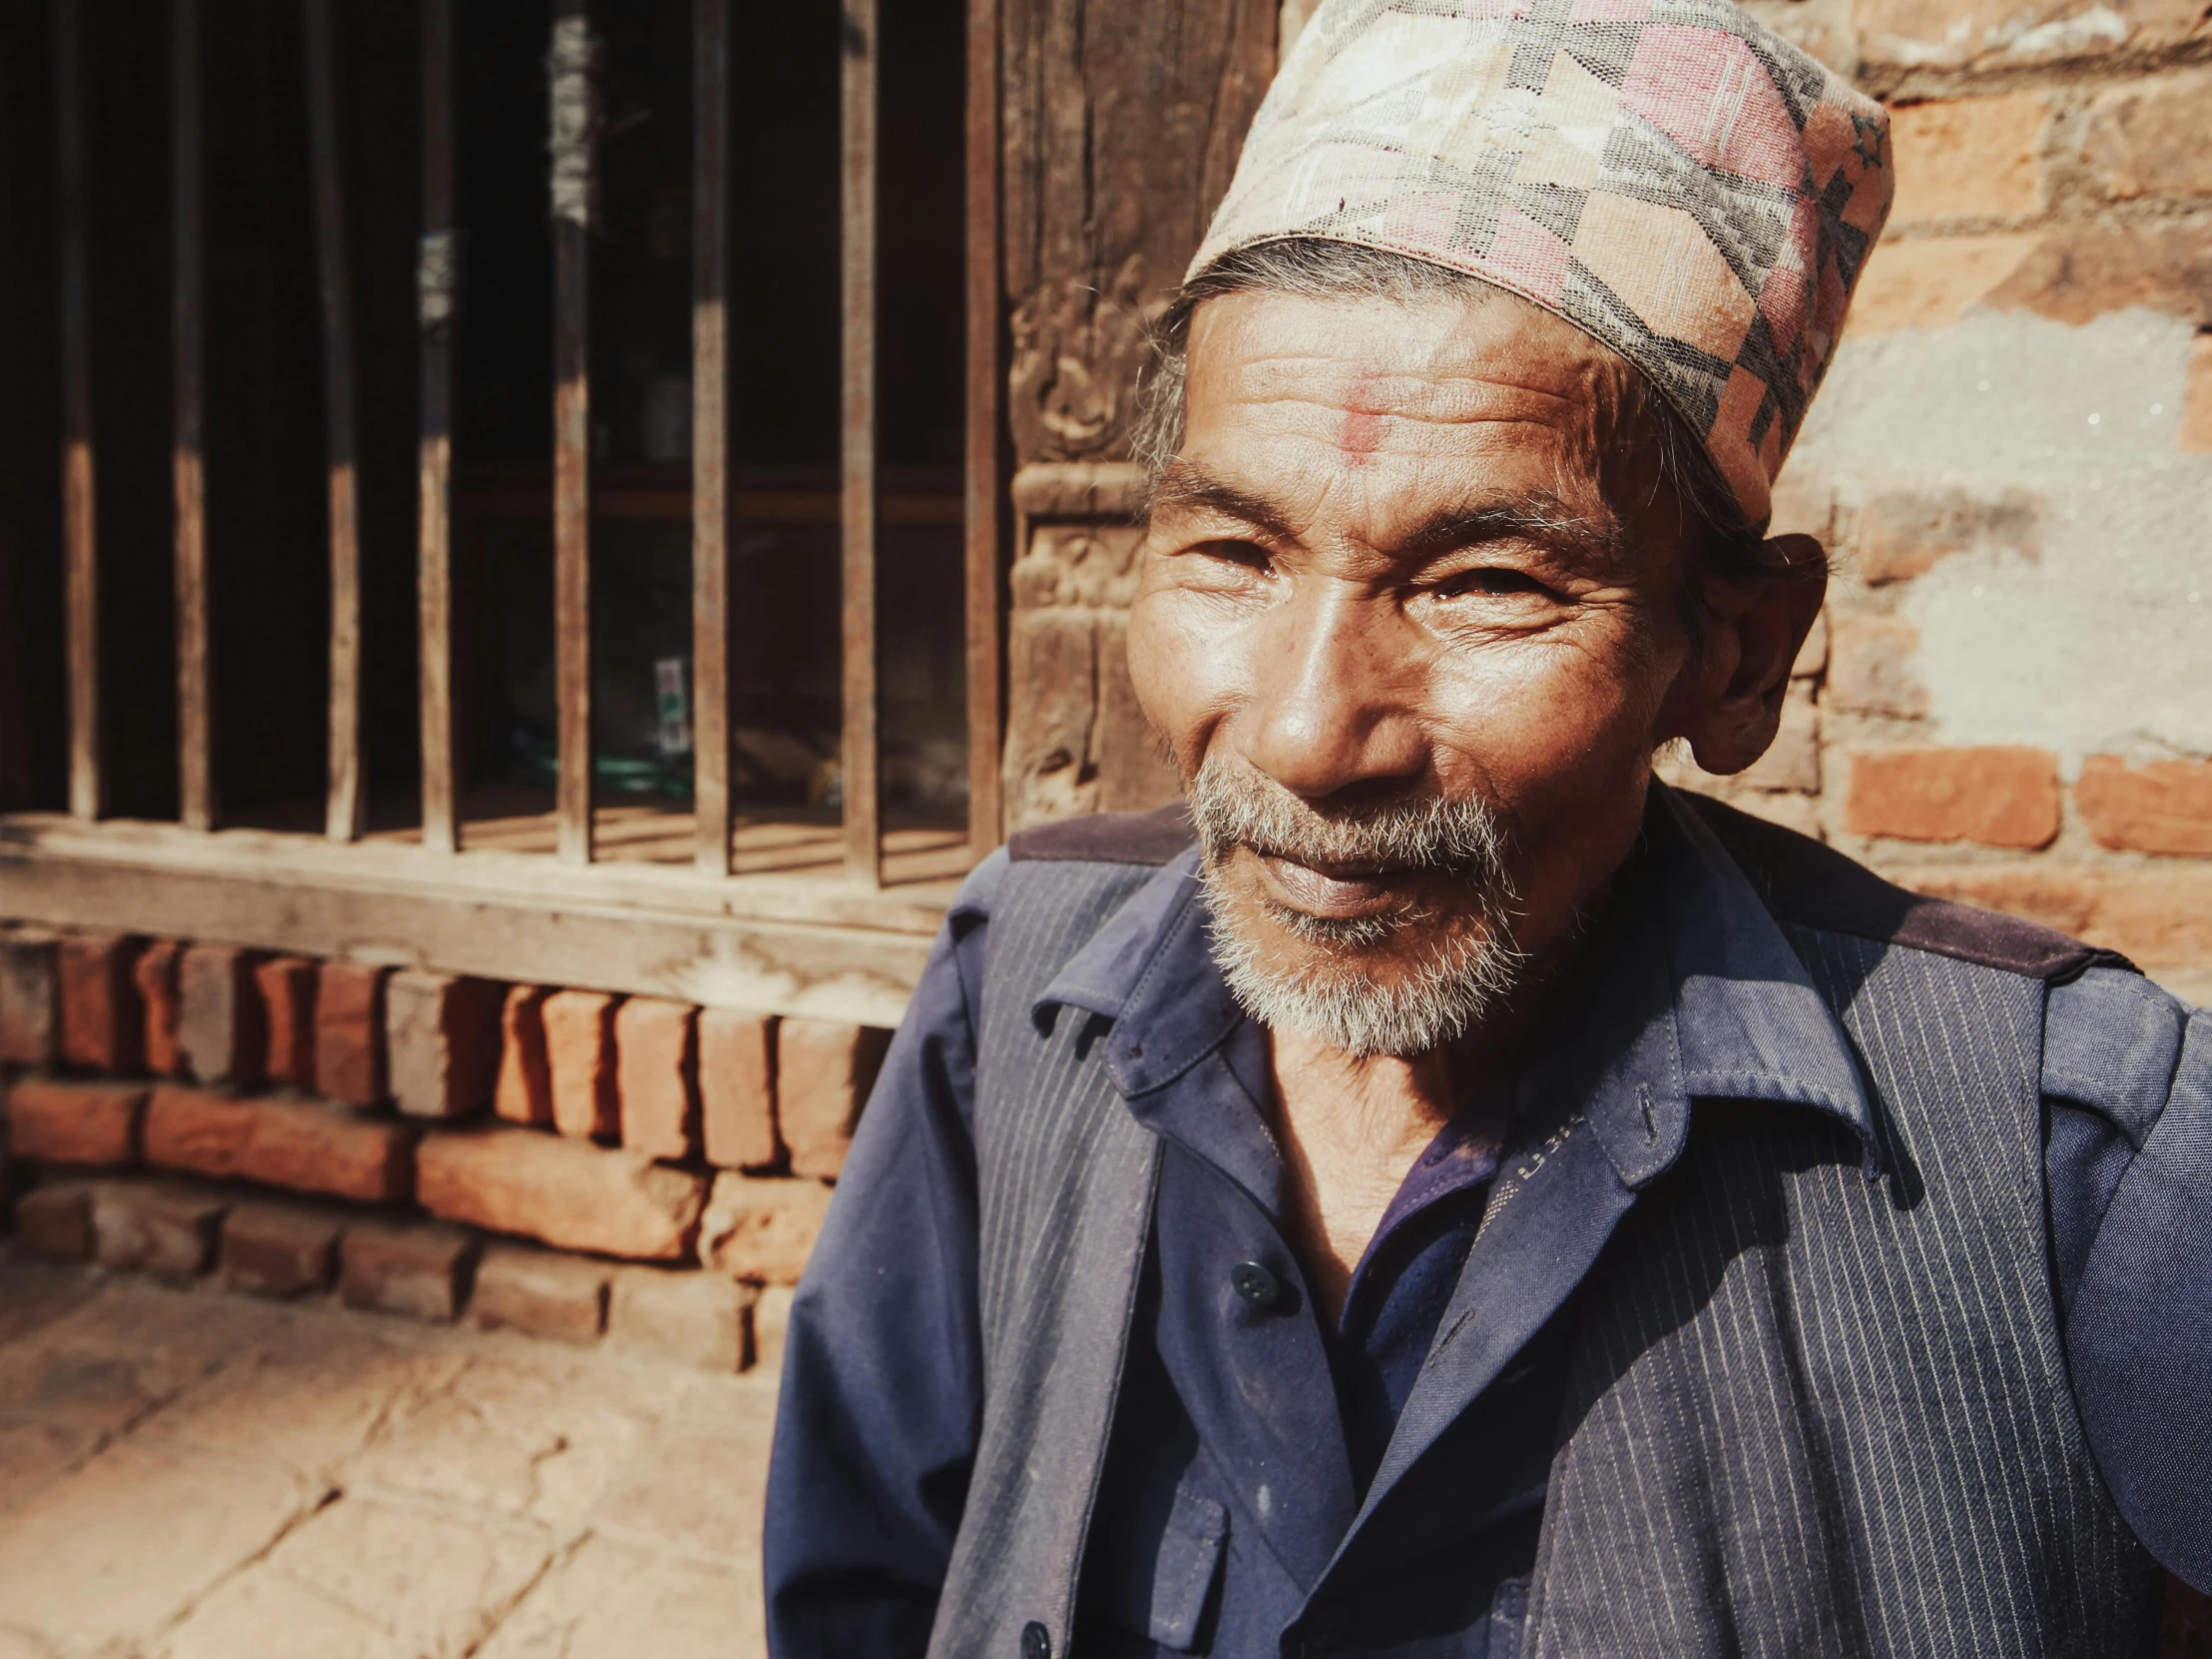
{"points": [[1508, 1619], [1184, 1572]]}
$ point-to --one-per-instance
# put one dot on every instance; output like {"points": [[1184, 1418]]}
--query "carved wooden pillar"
{"points": [[1122, 127]]}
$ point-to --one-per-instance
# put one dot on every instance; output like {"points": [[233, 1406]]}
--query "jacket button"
{"points": [[1036, 1641], [1256, 1285]]}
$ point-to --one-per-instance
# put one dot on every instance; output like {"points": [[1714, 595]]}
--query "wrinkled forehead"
{"points": [[1414, 393]]}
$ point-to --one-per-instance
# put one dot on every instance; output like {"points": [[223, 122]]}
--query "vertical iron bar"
{"points": [[80, 541], [570, 91], [985, 504], [859, 506], [711, 713], [188, 340], [345, 807], [437, 301]]}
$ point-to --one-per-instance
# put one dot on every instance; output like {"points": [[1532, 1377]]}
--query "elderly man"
{"points": [[1442, 1193]]}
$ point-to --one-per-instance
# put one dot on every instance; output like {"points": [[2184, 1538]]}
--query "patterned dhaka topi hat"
{"points": [[1667, 174]]}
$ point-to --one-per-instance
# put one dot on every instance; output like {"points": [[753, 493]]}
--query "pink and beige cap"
{"points": [[1669, 175]]}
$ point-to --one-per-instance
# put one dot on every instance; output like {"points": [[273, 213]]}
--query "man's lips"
{"points": [[1340, 892]]}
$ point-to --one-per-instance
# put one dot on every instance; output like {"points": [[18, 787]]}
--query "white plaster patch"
{"points": [[2103, 643]]}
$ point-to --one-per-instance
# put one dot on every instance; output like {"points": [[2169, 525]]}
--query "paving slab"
{"points": [[529, 1437], [39, 1293], [188, 1474], [427, 1585], [260, 1615], [611, 1598], [662, 1501], [310, 1405], [110, 1555], [93, 1384], [121, 1352], [33, 1456]]}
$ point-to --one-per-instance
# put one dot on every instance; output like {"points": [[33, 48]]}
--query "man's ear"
{"points": [[1761, 622]]}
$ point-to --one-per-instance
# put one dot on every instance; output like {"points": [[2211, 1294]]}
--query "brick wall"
{"points": [[566, 1161], [2010, 702]]}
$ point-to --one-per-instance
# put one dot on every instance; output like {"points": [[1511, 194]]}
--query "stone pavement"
{"points": [[188, 1474]]}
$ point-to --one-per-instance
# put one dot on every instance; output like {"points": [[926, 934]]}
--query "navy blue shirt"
{"points": [[1265, 1471]]}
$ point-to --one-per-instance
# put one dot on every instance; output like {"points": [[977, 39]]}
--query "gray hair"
{"points": [[1311, 268]]}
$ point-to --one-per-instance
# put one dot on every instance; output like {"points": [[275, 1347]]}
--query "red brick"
{"points": [[302, 1145], [541, 1292], [1932, 282], [580, 1054], [656, 1076], [762, 1228], [824, 1071], [524, 1092], [29, 998], [2080, 275], [349, 1063], [420, 1269], [1903, 533], [2196, 405], [279, 1248], [694, 1317], [442, 1040], [565, 1193], [103, 1026], [2000, 797], [2072, 274], [2162, 807], [1870, 668], [287, 997], [1969, 157], [155, 1225], [224, 1023], [55, 1122], [156, 975], [2158, 918], [55, 1221], [737, 1088], [2153, 137]]}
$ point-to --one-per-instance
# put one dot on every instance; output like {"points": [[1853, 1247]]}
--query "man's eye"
{"points": [[1493, 580], [1245, 554]]}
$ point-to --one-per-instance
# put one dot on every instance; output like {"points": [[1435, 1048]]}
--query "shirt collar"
{"points": [[1705, 998]]}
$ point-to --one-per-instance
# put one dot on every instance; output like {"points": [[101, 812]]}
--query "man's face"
{"points": [[1410, 660]]}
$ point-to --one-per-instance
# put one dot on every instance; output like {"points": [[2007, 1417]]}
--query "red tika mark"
{"points": [[1363, 434]]}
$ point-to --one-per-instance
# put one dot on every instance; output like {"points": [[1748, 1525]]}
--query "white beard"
{"points": [[1426, 1003]]}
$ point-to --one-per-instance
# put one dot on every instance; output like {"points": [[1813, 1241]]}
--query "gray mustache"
{"points": [[1232, 807]]}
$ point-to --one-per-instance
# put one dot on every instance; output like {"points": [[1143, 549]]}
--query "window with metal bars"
{"points": [[565, 428]]}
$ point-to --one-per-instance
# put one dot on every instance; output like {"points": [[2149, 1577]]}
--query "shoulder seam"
{"points": [[1811, 885], [1146, 838]]}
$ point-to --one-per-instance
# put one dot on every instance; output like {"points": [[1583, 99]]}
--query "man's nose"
{"points": [[1333, 684]]}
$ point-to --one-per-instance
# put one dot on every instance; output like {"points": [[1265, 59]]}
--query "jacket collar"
{"points": [[1751, 1023], [1150, 972]]}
